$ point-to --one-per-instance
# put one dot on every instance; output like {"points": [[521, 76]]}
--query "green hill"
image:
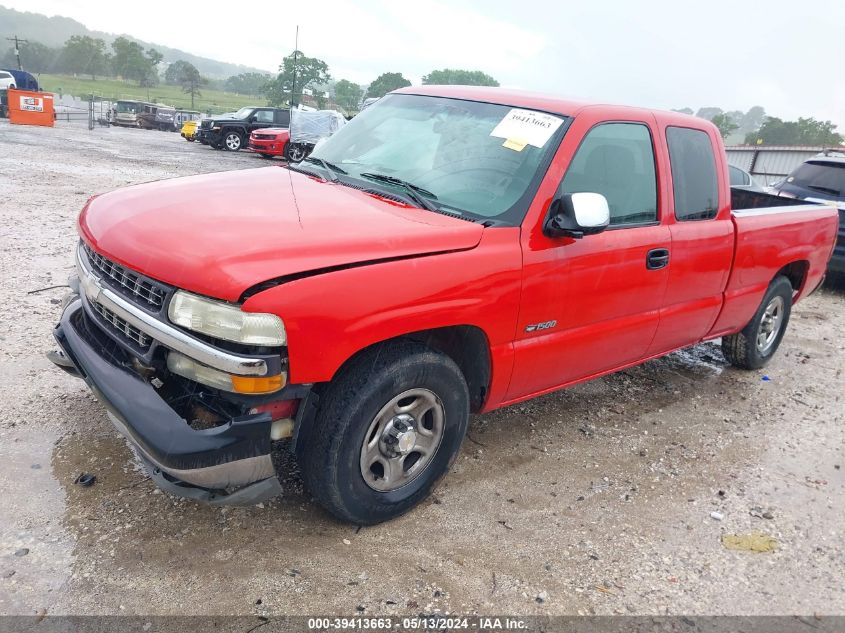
{"points": [[54, 32], [214, 101]]}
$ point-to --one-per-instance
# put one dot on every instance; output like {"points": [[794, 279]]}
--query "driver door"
{"points": [[591, 305], [261, 119]]}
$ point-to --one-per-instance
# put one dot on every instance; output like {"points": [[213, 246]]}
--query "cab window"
{"points": [[693, 173], [617, 161], [264, 116]]}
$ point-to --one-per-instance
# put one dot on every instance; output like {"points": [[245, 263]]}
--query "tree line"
{"points": [[755, 127], [298, 73], [84, 55]]}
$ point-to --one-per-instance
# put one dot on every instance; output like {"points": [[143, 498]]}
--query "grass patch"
{"points": [[214, 101]]}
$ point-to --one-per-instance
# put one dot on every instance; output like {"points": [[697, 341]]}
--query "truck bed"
{"points": [[774, 234]]}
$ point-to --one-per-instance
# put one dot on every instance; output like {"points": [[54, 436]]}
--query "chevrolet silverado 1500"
{"points": [[451, 250]]}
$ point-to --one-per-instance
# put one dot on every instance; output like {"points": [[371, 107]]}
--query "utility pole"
{"points": [[18, 43], [295, 53]]}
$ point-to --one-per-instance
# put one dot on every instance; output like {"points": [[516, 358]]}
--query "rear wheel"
{"points": [[388, 428], [232, 141], [758, 341]]}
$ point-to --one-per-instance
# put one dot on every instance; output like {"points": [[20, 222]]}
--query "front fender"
{"points": [[330, 317]]}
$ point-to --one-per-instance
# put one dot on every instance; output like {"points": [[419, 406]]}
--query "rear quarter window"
{"points": [[694, 182]]}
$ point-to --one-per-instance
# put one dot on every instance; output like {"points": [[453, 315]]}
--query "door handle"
{"points": [[657, 258]]}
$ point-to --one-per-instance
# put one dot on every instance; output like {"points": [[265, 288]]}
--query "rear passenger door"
{"points": [[590, 305], [702, 237]]}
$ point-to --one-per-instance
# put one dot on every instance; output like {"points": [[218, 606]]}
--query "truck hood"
{"points": [[219, 234]]}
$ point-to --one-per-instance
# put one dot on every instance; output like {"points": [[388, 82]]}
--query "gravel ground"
{"points": [[595, 500]]}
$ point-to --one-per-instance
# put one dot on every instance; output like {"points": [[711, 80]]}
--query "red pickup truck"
{"points": [[451, 250]]}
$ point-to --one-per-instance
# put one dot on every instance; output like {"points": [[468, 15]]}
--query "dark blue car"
{"points": [[821, 179]]}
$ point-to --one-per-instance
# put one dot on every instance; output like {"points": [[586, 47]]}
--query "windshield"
{"points": [[820, 176], [479, 159], [127, 106], [242, 113]]}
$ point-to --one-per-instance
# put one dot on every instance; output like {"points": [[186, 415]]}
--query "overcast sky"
{"points": [[657, 53]]}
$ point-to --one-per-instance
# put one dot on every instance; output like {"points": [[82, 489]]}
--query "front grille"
{"points": [[130, 283], [122, 327], [265, 137]]}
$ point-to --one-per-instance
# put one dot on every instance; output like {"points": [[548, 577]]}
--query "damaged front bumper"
{"points": [[229, 464]]}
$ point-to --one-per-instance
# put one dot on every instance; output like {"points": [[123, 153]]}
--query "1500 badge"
{"points": [[536, 327]]}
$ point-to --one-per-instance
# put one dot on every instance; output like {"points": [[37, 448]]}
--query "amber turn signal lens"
{"points": [[258, 384]]}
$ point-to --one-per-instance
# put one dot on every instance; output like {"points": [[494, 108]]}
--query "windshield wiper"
{"points": [[415, 193], [833, 192], [331, 168]]}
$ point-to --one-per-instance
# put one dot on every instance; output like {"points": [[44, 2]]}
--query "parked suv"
{"points": [[232, 132], [821, 179]]}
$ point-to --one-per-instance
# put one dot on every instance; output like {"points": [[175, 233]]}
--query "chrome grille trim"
{"points": [[142, 289], [97, 291], [122, 327]]}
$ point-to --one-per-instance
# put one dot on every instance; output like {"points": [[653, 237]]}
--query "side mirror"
{"points": [[253, 119], [577, 214]]}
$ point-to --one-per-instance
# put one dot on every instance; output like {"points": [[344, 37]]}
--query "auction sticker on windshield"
{"points": [[526, 127]]}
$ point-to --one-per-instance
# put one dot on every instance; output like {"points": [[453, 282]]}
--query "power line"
{"points": [[18, 43]]}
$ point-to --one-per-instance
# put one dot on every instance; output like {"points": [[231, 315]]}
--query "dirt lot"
{"points": [[594, 500]]}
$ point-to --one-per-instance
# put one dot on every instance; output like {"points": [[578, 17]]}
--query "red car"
{"points": [[269, 142], [451, 250]]}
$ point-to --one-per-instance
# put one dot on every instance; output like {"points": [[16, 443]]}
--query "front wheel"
{"points": [[758, 341], [388, 428], [232, 141]]}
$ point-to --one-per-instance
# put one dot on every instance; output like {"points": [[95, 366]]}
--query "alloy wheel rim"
{"points": [[233, 141], [402, 439], [770, 324]]}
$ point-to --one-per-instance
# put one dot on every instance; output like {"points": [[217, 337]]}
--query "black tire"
{"points": [[742, 349], [294, 153], [232, 140], [329, 450]]}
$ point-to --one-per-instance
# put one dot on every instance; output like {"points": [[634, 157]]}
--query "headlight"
{"points": [[193, 370], [226, 321]]}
